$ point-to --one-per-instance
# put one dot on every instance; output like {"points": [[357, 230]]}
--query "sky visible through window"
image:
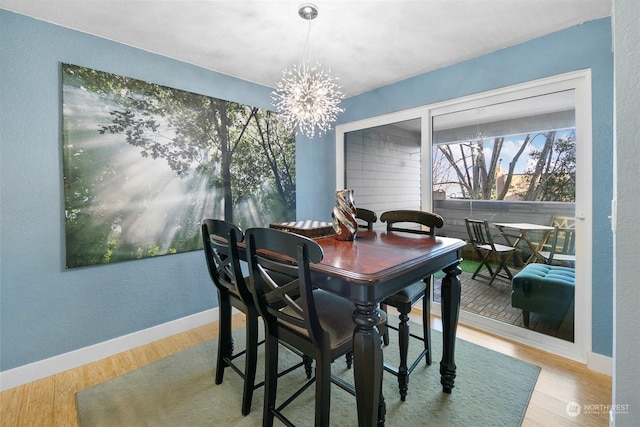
{"points": [[445, 176]]}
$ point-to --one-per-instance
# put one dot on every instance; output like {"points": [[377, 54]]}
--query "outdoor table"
{"points": [[523, 229]]}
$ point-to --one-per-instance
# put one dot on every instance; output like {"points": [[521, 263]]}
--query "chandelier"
{"points": [[307, 97]]}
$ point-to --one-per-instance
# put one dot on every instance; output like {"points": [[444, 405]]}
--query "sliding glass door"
{"points": [[515, 155], [511, 163]]}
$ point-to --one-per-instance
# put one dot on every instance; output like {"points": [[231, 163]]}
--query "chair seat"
{"points": [[498, 247], [560, 248], [408, 295], [335, 316]]}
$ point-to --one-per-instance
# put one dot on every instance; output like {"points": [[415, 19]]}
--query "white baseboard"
{"points": [[599, 363], [73, 359]]}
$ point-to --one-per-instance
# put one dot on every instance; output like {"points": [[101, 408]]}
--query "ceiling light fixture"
{"points": [[307, 97]]}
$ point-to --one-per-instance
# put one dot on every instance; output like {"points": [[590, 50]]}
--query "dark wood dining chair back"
{"points": [[366, 218], [296, 313], [414, 222], [287, 302], [489, 251], [220, 240]]}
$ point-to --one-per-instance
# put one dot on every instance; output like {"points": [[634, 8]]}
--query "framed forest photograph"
{"points": [[144, 164]]}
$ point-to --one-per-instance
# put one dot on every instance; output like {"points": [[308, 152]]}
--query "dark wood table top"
{"points": [[378, 264]]}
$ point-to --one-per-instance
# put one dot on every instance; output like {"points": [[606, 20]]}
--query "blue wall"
{"points": [[580, 47], [46, 310]]}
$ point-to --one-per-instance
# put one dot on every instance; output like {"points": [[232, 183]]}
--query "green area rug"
{"points": [[491, 389]]}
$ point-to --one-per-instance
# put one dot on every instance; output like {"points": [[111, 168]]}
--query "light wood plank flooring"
{"points": [[50, 401]]}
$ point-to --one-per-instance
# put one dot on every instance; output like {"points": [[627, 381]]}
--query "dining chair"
{"points": [[220, 239], [318, 323], [365, 218], [487, 249], [410, 221], [561, 249]]}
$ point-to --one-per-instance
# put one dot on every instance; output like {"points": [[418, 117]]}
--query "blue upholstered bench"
{"points": [[545, 289]]}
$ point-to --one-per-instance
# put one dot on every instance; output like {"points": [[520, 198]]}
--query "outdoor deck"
{"points": [[494, 302]]}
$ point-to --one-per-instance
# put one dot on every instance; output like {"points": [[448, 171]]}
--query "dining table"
{"points": [[515, 233], [368, 269]]}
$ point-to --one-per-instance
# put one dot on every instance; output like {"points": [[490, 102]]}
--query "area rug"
{"points": [[491, 389]]}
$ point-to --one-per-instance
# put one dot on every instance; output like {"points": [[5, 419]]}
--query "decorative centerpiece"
{"points": [[344, 216]]}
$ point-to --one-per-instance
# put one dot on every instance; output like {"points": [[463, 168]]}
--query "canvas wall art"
{"points": [[143, 164]]}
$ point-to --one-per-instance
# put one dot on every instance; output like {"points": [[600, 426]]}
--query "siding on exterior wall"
{"points": [[383, 168]]}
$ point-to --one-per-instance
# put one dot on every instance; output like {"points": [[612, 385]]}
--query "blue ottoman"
{"points": [[545, 289]]}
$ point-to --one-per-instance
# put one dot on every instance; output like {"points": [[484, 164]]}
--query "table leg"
{"points": [[535, 248], [451, 290], [367, 366]]}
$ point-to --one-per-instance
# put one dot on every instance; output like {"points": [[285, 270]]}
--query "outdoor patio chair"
{"points": [[561, 249], [482, 241], [565, 224], [563, 221]]}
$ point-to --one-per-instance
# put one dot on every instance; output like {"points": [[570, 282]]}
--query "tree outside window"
{"points": [[531, 167]]}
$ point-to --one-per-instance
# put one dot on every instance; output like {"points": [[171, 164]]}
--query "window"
{"points": [[515, 150]]}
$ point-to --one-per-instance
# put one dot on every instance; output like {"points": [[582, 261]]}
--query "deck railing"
{"points": [[454, 211]]}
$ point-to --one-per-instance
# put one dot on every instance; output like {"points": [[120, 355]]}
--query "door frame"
{"points": [[580, 81]]}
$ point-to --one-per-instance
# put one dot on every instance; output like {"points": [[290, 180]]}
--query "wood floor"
{"points": [[50, 401]]}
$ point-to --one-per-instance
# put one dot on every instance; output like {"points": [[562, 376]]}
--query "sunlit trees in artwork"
{"points": [[235, 158]]}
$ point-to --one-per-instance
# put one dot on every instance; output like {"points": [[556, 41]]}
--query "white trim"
{"points": [[43, 368], [599, 363], [584, 212]]}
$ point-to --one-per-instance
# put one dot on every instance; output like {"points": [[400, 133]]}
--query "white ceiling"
{"points": [[366, 44]]}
